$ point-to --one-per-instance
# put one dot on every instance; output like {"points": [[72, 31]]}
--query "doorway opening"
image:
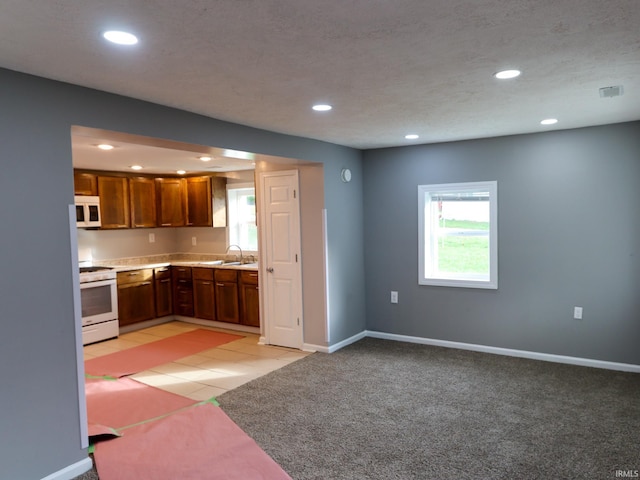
{"points": [[159, 157]]}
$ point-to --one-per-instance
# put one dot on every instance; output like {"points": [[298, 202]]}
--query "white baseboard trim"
{"points": [[337, 346], [146, 324], [213, 323], [310, 347], [547, 357], [71, 471]]}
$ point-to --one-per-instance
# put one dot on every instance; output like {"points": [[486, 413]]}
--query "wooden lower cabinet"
{"points": [[204, 304], [136, 301], [227, 298], [221, 294], [182, 291], [164, 292], [249, 299]]}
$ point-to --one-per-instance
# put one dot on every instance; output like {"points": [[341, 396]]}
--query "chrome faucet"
{"points": [[238, 247]]}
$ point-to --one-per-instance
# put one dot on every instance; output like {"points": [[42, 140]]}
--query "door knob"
{"points": [[270, 269]]}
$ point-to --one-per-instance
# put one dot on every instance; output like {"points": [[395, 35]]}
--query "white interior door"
{"points": [[282, 275]]}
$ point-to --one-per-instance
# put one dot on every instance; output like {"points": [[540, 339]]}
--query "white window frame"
{"points": [[239, 186], [426, 273]]}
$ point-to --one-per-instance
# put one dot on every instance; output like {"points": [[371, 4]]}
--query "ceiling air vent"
{"points": [[610, 92]]}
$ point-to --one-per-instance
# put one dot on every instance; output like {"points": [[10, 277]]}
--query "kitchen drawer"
{"points": [[162, 273], [133, 276], [203, 274], [249, 277], [182, 273], [226, 275]]}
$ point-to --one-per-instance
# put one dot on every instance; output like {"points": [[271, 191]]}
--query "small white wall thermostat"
{"points": [[345, 175]]}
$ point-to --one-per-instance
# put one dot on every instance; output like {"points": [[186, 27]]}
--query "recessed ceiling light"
{"points": [[105, 146], [322, 108], [181, 172], [121, 38], [506, 74], [205, 158], [136, 167], [411, 136], [549, 121]]}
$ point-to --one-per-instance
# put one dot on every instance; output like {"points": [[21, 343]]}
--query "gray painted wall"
{"points": [[569, 235], [37, 350]]}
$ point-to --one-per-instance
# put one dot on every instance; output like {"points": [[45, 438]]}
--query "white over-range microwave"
{"points": [[87, 211]]}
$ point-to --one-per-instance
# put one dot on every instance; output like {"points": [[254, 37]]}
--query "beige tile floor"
{"points": [[207, 374]]}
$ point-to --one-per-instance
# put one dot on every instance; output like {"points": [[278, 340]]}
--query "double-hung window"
{"points": [[241, 202], [458, 235]]}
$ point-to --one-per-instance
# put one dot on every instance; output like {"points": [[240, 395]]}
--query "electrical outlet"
{"points": [[394, 297], [152, 238], [193, 241], [577, 313]]}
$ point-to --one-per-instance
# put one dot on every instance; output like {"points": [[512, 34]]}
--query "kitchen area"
{"points": [[164, 233]]}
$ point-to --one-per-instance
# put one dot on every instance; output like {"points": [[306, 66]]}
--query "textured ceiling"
{"points": [[388, 67]]}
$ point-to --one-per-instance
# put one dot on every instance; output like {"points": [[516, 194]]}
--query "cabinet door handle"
{"points": [[206, 283], [255, 274], [220, 284], [165, 224], [143, 284], [166, 280]]}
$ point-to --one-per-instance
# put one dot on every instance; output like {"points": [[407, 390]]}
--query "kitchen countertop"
{"points": [[128, 268]]}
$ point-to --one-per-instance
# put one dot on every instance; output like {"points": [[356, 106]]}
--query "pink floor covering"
{"points": [[114, 404], [198, 443], [137, 359]]}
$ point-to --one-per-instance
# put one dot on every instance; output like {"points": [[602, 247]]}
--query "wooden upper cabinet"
{"points": [[199, 201], [142, 192], [146, 202], [219, 201], [171, 202], [85, 183], [114, 202]]}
